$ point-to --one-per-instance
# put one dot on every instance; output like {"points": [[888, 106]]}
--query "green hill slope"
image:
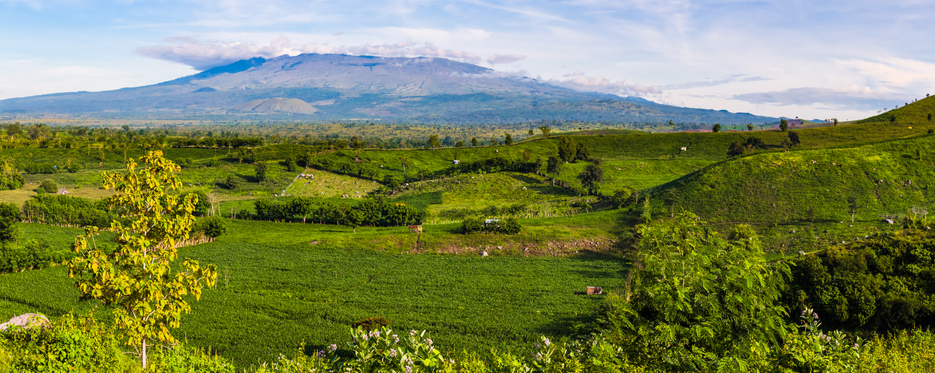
{"points": [[882, 179], [919, 112]]}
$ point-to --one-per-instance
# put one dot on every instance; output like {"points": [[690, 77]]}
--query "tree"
{"points": [[566, 149], [433, 141], [136, 277], [354, 219], [794, 138], [527, 155], [48, 186], [697, 302], [404, 162], [553, 167], [260, 169], [590, 177], [582, 153], [531, 132], [545, 131], [750, 127], [716, 128], [303, 206], [473, 141], [459, 143], [202, 205], [508, 139], [9, 215], [783, 125], [735, 149]]}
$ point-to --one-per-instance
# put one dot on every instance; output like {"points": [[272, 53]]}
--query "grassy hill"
{"points": [[882, 179], [919, 112]]}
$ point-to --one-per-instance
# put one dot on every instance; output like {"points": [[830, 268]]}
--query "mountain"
{"points": [[341, 87]]}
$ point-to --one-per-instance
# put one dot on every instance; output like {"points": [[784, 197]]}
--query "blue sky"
{"points": [[811, 59]]}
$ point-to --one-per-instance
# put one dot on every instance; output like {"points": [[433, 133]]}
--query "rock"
{"points": [[483, 253], [26, 321]]}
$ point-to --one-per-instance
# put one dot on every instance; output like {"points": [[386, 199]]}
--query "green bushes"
{"points": [[882, 283], [48, 186], [371, 212], [10, 178], [70, 345], [32, 254], [64, 210]]}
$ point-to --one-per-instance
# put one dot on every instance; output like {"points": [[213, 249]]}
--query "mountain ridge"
{"points": [[391, 89]]}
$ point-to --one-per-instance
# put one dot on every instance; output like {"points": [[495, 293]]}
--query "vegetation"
{"points": [[136, 277]]}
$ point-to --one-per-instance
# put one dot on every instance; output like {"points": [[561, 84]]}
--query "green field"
{"points": [[275, 291]]}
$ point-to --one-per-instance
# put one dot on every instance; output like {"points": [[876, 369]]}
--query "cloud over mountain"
{"points": [[581, 82], [205, 55], [856, 98]]}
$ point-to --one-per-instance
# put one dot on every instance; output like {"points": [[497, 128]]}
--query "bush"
{"points": [[71, 344], [213, 226], [10, 178], [372, 323], [471, 225], [49, 186], [510, 226]]}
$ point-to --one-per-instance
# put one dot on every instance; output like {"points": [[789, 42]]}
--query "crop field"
{"points": [[275, 291]]}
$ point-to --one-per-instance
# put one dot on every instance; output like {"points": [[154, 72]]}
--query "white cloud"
{"points": [[504, 58], [579, 81], [848, 98], [203, 55]]}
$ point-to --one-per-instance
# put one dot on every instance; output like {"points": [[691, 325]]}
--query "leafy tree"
{"points": [[582, 153], [404, 162], [212, 226], [354, 219], [303, 206], [48, 186], [10, 178], [735, 149], [9, 215], [202, 205], [136, 277], [621, 197], [473, 141], [531, 132], [433, 141], [459, 144], [230, 183], [750, 127], [716, 128], [591, 177], [14, 129], [553, 167], [508, 139], [391, 182], [527, 155], [545, 131], [566, 149], [697, 302], [260, 169], [794, 138], [783, 125]]}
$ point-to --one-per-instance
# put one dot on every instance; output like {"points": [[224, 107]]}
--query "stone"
{"points": [[483, 253], [26, 321]]}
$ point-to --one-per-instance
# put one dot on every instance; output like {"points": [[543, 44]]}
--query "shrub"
{"points": [[213, 226], [372, 323], [471, 225], [510, 226], [49, 186], [71, 344]]}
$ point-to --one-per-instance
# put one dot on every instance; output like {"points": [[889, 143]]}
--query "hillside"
{"points": [[921, 111], [873, 181], [325, 87]]}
